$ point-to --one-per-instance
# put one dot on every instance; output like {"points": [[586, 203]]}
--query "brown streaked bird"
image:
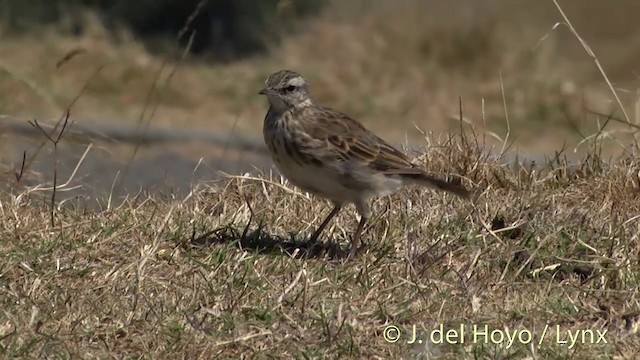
{"points": [[331, 155]]}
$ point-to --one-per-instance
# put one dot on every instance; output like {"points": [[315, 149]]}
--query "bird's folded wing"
{"points": [[339, 136]]}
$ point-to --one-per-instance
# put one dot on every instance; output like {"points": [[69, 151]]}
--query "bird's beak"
{"points": [[265, 91]]}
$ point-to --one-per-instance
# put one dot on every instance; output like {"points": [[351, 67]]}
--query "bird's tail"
{"points": [[434, 182]]}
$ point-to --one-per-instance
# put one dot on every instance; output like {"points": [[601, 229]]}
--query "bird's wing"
{"points": [[331, 136], [342, 137]]}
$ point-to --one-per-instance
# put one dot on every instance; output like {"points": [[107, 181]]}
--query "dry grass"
{"points": [[226, 273]]}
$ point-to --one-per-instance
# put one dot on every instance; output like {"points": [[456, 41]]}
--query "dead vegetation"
{"points": [[226, 270]]}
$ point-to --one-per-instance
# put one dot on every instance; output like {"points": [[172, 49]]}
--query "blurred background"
{"points": [[165, 92]]}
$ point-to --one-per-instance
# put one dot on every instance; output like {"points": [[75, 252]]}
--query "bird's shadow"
{"points": [[261, 242]]}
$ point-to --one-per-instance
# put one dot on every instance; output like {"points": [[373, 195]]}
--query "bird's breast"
{"points": [[305, 164]]}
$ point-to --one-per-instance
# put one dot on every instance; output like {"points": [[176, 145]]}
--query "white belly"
{"points": [[346, 182], [317, 180]]}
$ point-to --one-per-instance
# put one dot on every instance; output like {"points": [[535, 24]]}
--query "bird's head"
{"points": [[286, 89]]}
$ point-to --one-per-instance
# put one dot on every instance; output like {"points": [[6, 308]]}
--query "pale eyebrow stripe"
{"points": [[297, 81]]}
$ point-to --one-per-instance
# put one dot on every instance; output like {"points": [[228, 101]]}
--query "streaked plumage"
{"points": [[331, 155]]}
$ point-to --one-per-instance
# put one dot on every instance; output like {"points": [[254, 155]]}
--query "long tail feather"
{"points": [[428, 180]]}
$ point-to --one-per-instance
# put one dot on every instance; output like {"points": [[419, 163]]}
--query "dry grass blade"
{"points": [[590, 52], [54, 140]]}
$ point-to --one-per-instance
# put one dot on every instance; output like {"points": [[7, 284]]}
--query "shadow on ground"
{"points": [[260, 241]]}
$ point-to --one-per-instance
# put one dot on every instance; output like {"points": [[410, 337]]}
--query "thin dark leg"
{"points": [[355, 243], [324, 224]]}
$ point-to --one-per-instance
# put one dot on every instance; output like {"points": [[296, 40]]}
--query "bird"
{"points": [[331, 155]]}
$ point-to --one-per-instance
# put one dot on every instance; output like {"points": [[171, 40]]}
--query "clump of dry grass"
{"points": [[225, 271]]}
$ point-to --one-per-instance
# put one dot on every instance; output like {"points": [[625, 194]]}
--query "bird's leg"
{"points": [[324, 224], [355, 243]]}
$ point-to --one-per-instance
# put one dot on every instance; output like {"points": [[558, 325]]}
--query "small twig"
{"points": [[24, 160], [144, 120], [113, 184], [55, 142], [611, 117], [252, 178], [464, 138], [245, 232], [593, 56], [49, 136], [506, 115], [70, 55], [191, 18], [71, 104], [71, 177]]}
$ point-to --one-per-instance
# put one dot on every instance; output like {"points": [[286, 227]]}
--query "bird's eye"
{"points": [[289, 88]]}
